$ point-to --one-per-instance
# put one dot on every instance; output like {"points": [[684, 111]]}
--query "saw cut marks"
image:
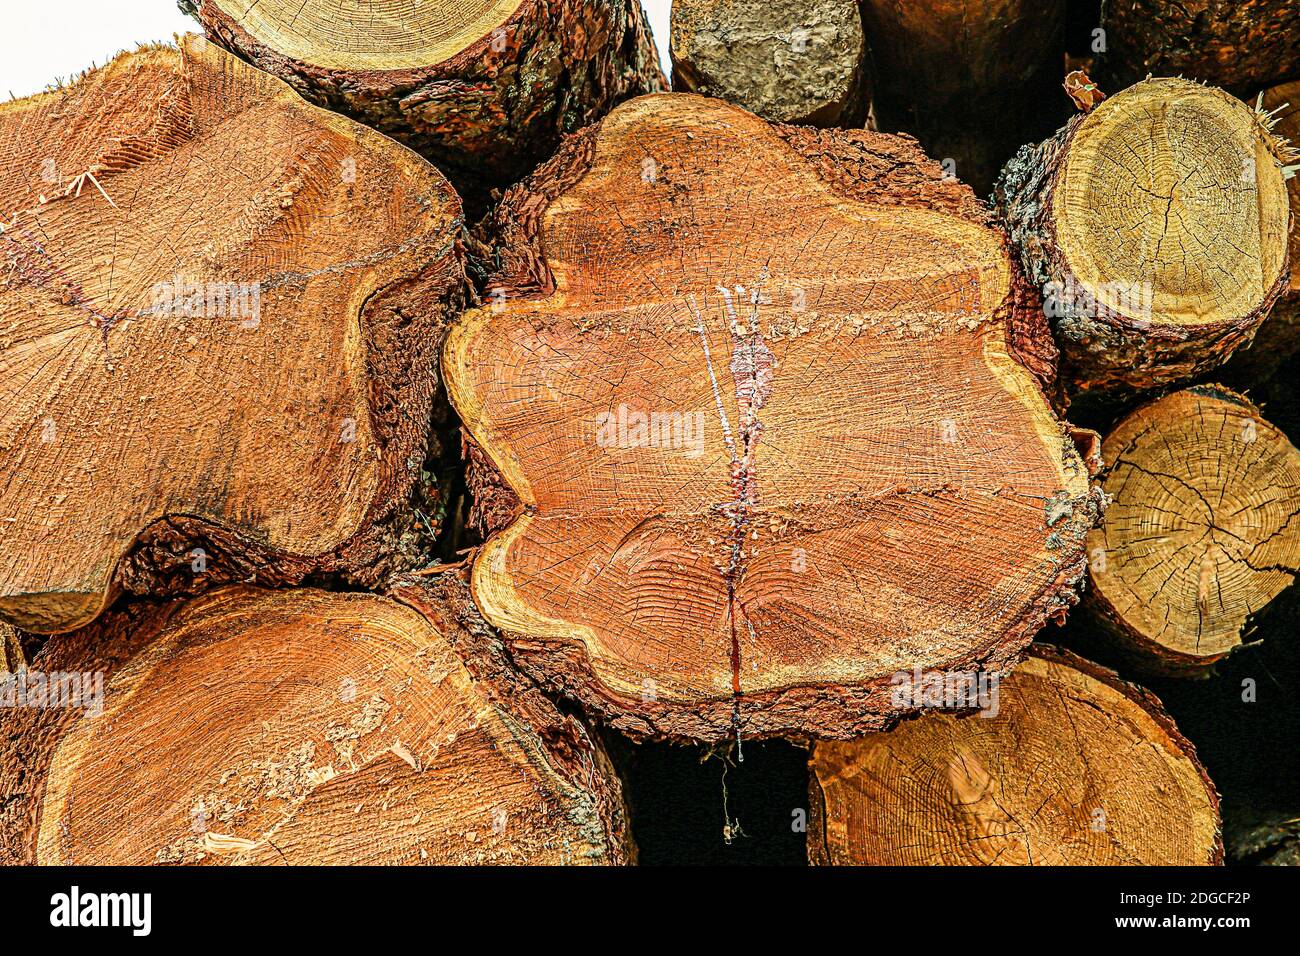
{"points": [[1076, 768], [299, 728], [1202, 532], [760, 396], [218, 311], [1156, 228], [367, 34]]}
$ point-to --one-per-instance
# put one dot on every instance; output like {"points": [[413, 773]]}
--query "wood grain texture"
{"points": [[790, 62], [302, 727], [846, 464], [1077, 768], [973, 80], [1240, 45], [219, 311], [1201, 533], [483, 88], [1156, 228]]}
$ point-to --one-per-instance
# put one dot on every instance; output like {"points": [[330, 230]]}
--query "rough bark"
{"points": [[1075, 768], [1278, 338], [1240, 45], [790, 62], [1201, 532], [221, 308], [12, 657], [972, 80], [302, 727], [861, 472], [1155, 227], [1263, 838], [484, 91]]}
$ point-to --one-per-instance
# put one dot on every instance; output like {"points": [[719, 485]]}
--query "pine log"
{"points": [[484, 90], [756, 411], [973, 80], [300, 727], [1075, 768], [1240, 45], [1201, 532], [1278, 338], [1156, 228], [219, 314], [787, 61]]}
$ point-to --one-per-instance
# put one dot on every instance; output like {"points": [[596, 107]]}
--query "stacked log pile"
{"points": [[698, 521], [759, 422]]}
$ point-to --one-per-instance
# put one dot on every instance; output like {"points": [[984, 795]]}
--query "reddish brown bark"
{"points": [[613, 247], [490, 110]]}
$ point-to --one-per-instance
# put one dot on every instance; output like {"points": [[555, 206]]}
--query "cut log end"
{"points": [[484, 89], [731, 522], [299, 727], [1209, 231], [1201, 533], [221, 307], [354, 35], [1074, 768], [787, 62], [1156, 226]]}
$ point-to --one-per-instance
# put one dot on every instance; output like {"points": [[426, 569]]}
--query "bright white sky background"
{"points": [[42, 40]]}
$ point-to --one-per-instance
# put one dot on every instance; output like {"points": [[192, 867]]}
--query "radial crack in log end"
{"points": [[233, 358], [1155, 228], [484, 89], [1071, 767], [297, 727], [1202, 530], [762, 397], [791, 62]]}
